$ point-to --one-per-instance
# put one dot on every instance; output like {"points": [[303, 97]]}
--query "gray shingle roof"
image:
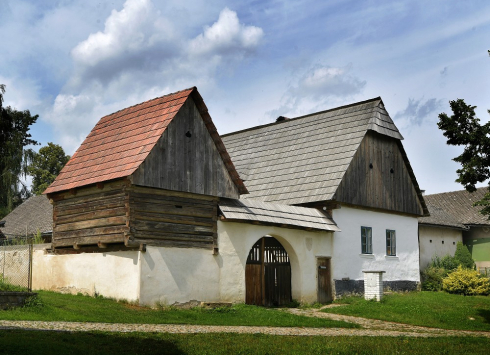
{"points": [[272, 213], [35, 213], [455, 209], [303, 159]]}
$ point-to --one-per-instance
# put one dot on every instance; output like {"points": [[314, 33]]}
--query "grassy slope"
{"points": [[430, 309], [36, 342], [59, 307]]}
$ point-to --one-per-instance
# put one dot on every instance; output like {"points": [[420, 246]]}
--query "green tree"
{"points": [[463, 256], [45, 166], [14, 156], [462, 128]]}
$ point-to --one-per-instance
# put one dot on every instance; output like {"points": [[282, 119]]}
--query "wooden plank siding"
{"points": [[378, 177], [172, 218], [120, 213], [186, 159], [90, 215]]}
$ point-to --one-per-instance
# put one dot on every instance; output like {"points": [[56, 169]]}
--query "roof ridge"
{"points": [[144, 102], [457, 191], [303, 116]]}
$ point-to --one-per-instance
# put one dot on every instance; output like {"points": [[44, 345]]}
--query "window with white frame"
{"points": [[366, 240], [390, 242]]}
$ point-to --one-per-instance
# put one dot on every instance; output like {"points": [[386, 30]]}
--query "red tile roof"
{"points": [[121, 141]]}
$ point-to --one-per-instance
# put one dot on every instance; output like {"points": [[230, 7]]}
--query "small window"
{"points": [[366, 240], [390, 242]]}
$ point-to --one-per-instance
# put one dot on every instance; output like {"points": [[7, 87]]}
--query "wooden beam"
{"points": [[90, 249], [102, 245]]}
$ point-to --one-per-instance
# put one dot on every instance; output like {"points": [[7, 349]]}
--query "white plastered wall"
{"points": [[178, 275], [347, 260], [111, 274], [437, 241], [303, 247]]}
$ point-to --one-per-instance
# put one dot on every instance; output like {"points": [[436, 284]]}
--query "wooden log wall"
{"points": [[96, 215], [378, 177], [172, 218]]}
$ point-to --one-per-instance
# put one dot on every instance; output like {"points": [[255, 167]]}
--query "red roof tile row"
{"points": [[119, 142]]}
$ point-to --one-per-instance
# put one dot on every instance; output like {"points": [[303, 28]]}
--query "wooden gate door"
{"points": [[324, 281], [268, 274]]}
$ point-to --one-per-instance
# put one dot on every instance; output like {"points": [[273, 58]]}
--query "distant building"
{"points": [[33, 215], [453, 218]]}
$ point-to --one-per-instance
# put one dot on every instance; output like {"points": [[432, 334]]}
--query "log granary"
{"points": [[149, 174]]}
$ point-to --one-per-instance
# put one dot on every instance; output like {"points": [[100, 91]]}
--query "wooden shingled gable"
{"points": [[304, 160], [121, 142]]}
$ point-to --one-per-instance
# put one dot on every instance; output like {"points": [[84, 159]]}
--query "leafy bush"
{"points": [[432, 278], [466, 282], [463, 256], [447, 262]]}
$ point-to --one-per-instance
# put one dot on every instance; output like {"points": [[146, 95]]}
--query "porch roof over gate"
{"points": [[276, 214]]}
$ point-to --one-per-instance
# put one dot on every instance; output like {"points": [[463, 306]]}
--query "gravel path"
{"points": [[384, 327], [370, 328]]}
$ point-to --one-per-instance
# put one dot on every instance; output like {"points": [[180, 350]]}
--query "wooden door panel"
{"points": [[324, 280], [268, 274]]}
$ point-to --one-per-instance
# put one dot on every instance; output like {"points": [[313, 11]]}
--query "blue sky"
{"points": [[72, 62]]}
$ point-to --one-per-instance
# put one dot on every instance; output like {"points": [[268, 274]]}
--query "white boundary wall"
{"points": [[348, 262], [179, 275], [437, 241], [111, 274]]}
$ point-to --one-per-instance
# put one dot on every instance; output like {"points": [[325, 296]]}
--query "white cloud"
{"points": [[227, 36], [317, 87], [320, 82], [418, 112], [134, 39], [141, 54]]}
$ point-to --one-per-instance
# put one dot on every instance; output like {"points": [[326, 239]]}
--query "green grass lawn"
{"points": [[61, 307], [430, 309], [44, 342]]}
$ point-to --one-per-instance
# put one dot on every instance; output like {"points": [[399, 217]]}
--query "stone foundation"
{"points": [[356, 287], [14, 299]]}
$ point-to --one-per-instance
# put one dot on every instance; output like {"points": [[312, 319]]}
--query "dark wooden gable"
{"points": [[186, 159], [379, 176]]}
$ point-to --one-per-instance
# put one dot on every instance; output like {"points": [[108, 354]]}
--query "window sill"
{"points": [[393, 257], [368, 256]]}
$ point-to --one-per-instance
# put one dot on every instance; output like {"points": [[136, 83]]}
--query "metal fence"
{"points": [[16, 264]]}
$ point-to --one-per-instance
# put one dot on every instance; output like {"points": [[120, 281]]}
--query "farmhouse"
{"points": [[350, 163], [453, 219], [153, 207]]}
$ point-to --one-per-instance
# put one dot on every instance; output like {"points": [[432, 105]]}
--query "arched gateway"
{"points": [[268, 274]]}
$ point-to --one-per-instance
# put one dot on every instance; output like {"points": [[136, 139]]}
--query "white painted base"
{"points": [[373, 285]]}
